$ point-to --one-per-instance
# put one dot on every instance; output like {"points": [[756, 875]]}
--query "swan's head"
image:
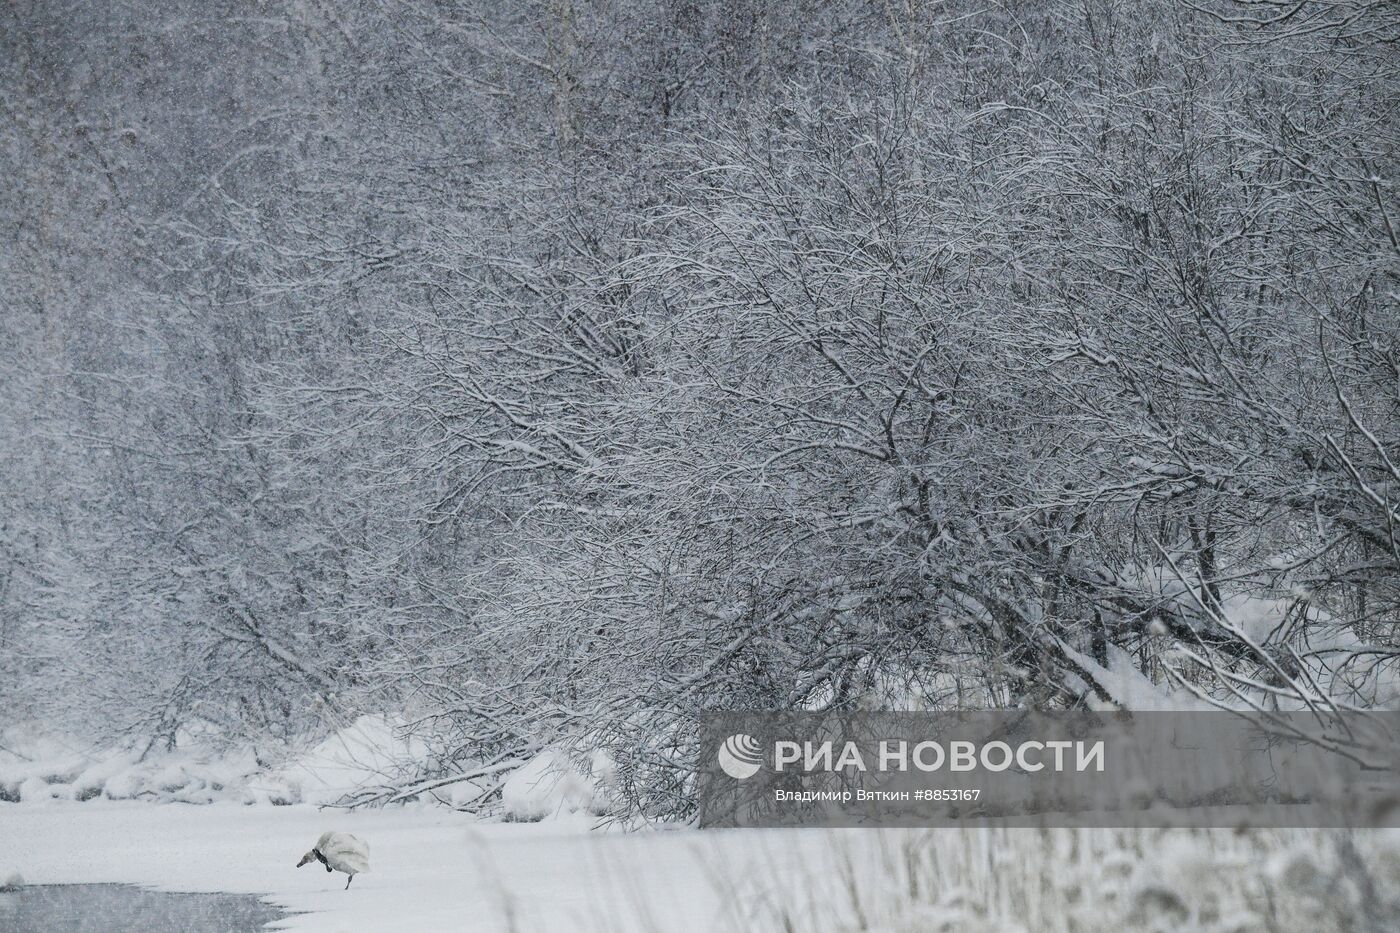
{"points": [[311, 856]]}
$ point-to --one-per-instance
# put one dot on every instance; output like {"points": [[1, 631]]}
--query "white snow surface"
{"points": [[433, 868], [437, 870]]}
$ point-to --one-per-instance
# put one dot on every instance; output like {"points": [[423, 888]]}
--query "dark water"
{"points": [[117, 908]]}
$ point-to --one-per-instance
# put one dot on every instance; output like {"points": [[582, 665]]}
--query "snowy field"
{"points": [[433, 869]]}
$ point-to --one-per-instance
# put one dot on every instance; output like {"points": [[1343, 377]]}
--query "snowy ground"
{"points": [[431, 869], [435, 870]]}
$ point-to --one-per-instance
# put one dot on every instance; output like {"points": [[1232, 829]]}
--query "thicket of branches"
{"points": [[559, 370]]}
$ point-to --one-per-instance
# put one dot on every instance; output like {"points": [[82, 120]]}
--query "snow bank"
{"points": [[552, 785], [370, 752], [40, 769], [37, 769], [30, 762], [1128, 686]]}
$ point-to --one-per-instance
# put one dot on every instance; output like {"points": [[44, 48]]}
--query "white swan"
{"points": [[340, 852]]}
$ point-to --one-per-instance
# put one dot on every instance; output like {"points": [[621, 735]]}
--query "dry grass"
{"points": [[1084, 881]]}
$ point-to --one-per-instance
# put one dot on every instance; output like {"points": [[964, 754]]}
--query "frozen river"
{"points": [[104, 908]]}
